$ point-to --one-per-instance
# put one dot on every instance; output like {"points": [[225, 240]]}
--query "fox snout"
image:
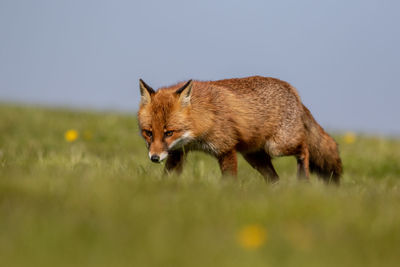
{"points": [[155, 158], [158, 157]]}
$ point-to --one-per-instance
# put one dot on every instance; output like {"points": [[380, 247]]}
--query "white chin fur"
{"points": [[184, 139], [163, 156]]}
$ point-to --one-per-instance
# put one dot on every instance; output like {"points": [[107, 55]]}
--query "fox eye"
{"points": [[148, 133], [168, 133]]}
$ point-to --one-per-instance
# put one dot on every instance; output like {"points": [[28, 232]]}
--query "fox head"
{"points": [[163, 118]]}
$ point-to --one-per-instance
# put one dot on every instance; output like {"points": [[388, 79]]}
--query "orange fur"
{"points": [[257, 116]]}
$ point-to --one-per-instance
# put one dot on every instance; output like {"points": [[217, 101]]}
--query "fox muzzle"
{"points": [[157, 158]]}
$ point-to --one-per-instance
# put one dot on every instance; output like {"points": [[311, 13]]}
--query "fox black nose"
{"points": [[155, 158]]}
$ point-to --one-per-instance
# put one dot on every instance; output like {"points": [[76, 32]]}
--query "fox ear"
{"points": [[145, 91], [184, 93]]}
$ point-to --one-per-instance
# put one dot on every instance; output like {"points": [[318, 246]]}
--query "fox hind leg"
{"points": [[174, 162], [261, 161], [303, 162]]}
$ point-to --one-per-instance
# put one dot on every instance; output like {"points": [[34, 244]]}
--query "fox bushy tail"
{"points": [[324, 153]]}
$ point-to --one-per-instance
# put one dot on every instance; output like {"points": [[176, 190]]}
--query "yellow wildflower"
{"points": [[71, 135], [349, 138], [252, 236]]}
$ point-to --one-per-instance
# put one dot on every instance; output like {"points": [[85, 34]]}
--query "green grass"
{"points": [[99, 201]]}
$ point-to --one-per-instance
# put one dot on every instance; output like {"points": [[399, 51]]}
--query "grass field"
{"points": [[99, 201]]}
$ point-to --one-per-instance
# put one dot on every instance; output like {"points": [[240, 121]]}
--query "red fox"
{"points": [[257, 116]]}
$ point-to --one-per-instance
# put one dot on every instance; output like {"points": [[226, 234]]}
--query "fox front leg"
{"points": [[174, 162], [228, 163]]}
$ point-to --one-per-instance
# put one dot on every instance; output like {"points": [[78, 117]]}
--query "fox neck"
{"points": [[185, 139], [189, 141]]}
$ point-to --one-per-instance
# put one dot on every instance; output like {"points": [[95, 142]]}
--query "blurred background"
{"points": [[343, 56]]}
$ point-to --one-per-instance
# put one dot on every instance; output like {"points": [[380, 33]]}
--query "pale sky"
{"points": [[342, 56]]}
